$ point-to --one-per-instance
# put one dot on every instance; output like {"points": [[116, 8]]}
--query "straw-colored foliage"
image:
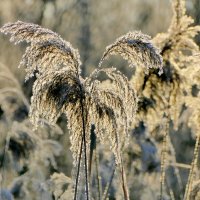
{"points": [[167, 96], [137, 119], [59, 87]]}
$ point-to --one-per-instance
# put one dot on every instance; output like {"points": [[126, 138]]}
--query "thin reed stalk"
{"points": [[191, 173], [85, 147], [124, 183], [105, 194], [78, 170], [163, 158], [97, 174]]}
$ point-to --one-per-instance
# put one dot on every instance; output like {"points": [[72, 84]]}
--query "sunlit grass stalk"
{"points": [[163, 157], [124, 183], [193, 165]]}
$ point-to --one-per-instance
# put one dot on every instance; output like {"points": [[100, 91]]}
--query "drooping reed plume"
{"points": [[59, 88]]}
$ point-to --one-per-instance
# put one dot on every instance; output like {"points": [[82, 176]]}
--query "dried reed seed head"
{"points": [[123, 87], [58, 86], [137, 49], [117, 94], [51, 93], [74, 115], [109, 99], [118, 83], [105, 109], [47, 51], [157, 95], [113, 106], [22, 31], [48, 55], [109, 114], [180, 35], [178, 49], [107, 127]]}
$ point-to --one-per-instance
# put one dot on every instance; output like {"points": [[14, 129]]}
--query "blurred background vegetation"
{"points": [[89, 25]]}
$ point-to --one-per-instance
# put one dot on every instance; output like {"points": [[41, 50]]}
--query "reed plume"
{"points": [[137, 49], [59, 88]]}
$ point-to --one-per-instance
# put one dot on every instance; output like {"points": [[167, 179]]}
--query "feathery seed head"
{"points": [[59, 88], [51, 94], [47, 50], [137, 49]]}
